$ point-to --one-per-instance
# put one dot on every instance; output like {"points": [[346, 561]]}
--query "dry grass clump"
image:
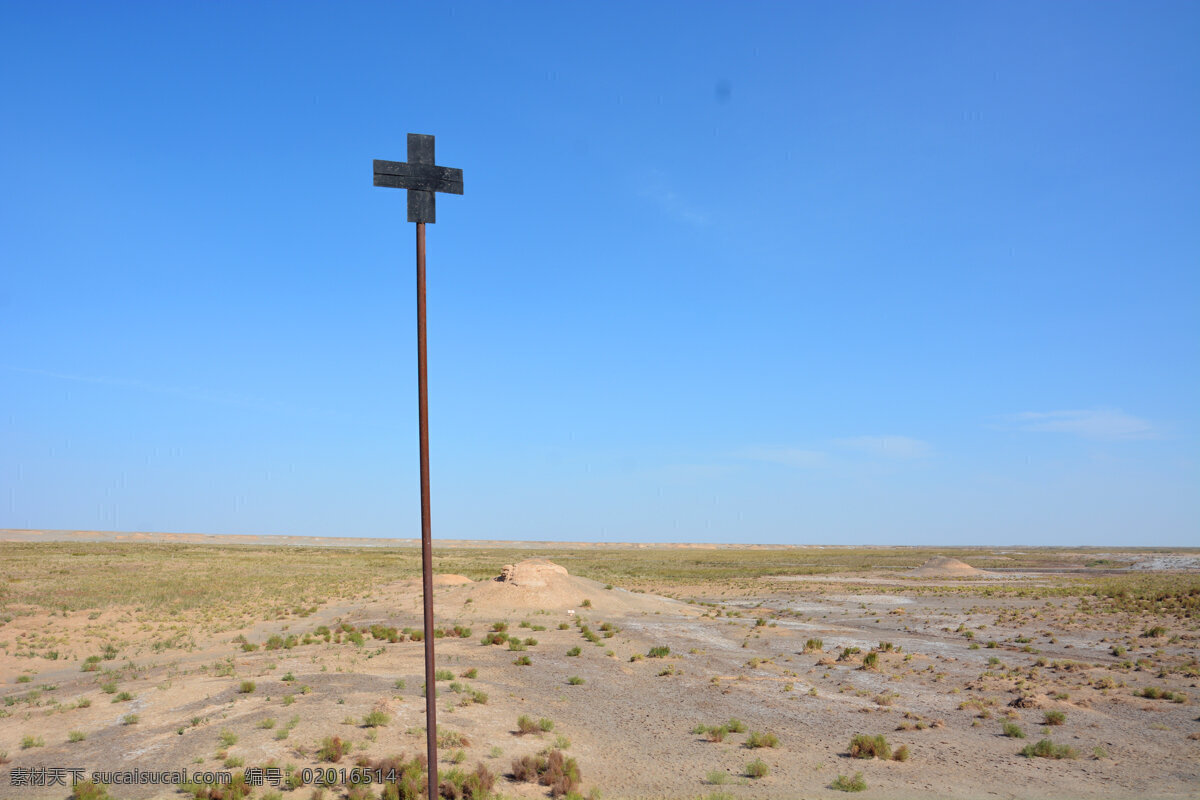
{"points": [[1054, 717], [376, 718], [866, 746], [89, 790], [452, 739], [843, 784], [455, 784], [1155, 693], [331, 749], [756, 740], [1048, 749], [552, 769], [717, 733], [237, 789]]}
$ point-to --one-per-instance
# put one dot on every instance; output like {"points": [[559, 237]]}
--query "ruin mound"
{"points": [[942, 567], [539, 585], [531, 572]]}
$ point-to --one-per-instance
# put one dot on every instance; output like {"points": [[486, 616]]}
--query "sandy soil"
{"points": [[630, 721]]}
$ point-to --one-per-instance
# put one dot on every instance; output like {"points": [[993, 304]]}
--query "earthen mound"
{"points": [[942, 567], [531, 572], [538, 585]]}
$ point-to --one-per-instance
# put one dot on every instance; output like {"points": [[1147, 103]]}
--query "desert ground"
{"points": [[613, 671]]}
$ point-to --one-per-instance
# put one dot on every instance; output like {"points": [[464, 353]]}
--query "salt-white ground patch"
{"points": [[873, 599]]}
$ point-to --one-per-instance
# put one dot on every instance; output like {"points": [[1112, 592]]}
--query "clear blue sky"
{"points": [[751, 272]]}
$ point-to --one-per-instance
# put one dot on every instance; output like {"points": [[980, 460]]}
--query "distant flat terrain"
{"points": [[667, 671]]}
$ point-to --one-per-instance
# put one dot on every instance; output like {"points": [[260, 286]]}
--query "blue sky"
{"points": [[919, 273]]}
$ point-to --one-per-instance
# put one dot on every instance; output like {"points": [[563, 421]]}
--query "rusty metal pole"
{"points": [[426, 530], [423, 179]]}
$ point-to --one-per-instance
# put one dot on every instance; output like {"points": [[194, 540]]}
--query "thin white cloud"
{"points": [[789, 456], [888, 446], [1096, 423]]}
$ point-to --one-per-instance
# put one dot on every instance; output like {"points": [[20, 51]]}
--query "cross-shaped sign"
{"points": [[420, 176]]}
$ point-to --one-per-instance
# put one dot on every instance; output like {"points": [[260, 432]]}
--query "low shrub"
{"points": [[332, 749], [843, 784], [452, 739], [1048, 749], [376, 718], [1054, 718], [757, 768], [89, 790], [762, 740], [552, 769], [866, 746], [717, 777], [1013, 731]]}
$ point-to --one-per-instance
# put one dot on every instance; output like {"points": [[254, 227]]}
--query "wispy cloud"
{"points": [[671, 202], [790, 456], [888, 446], [1096, 423]]}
